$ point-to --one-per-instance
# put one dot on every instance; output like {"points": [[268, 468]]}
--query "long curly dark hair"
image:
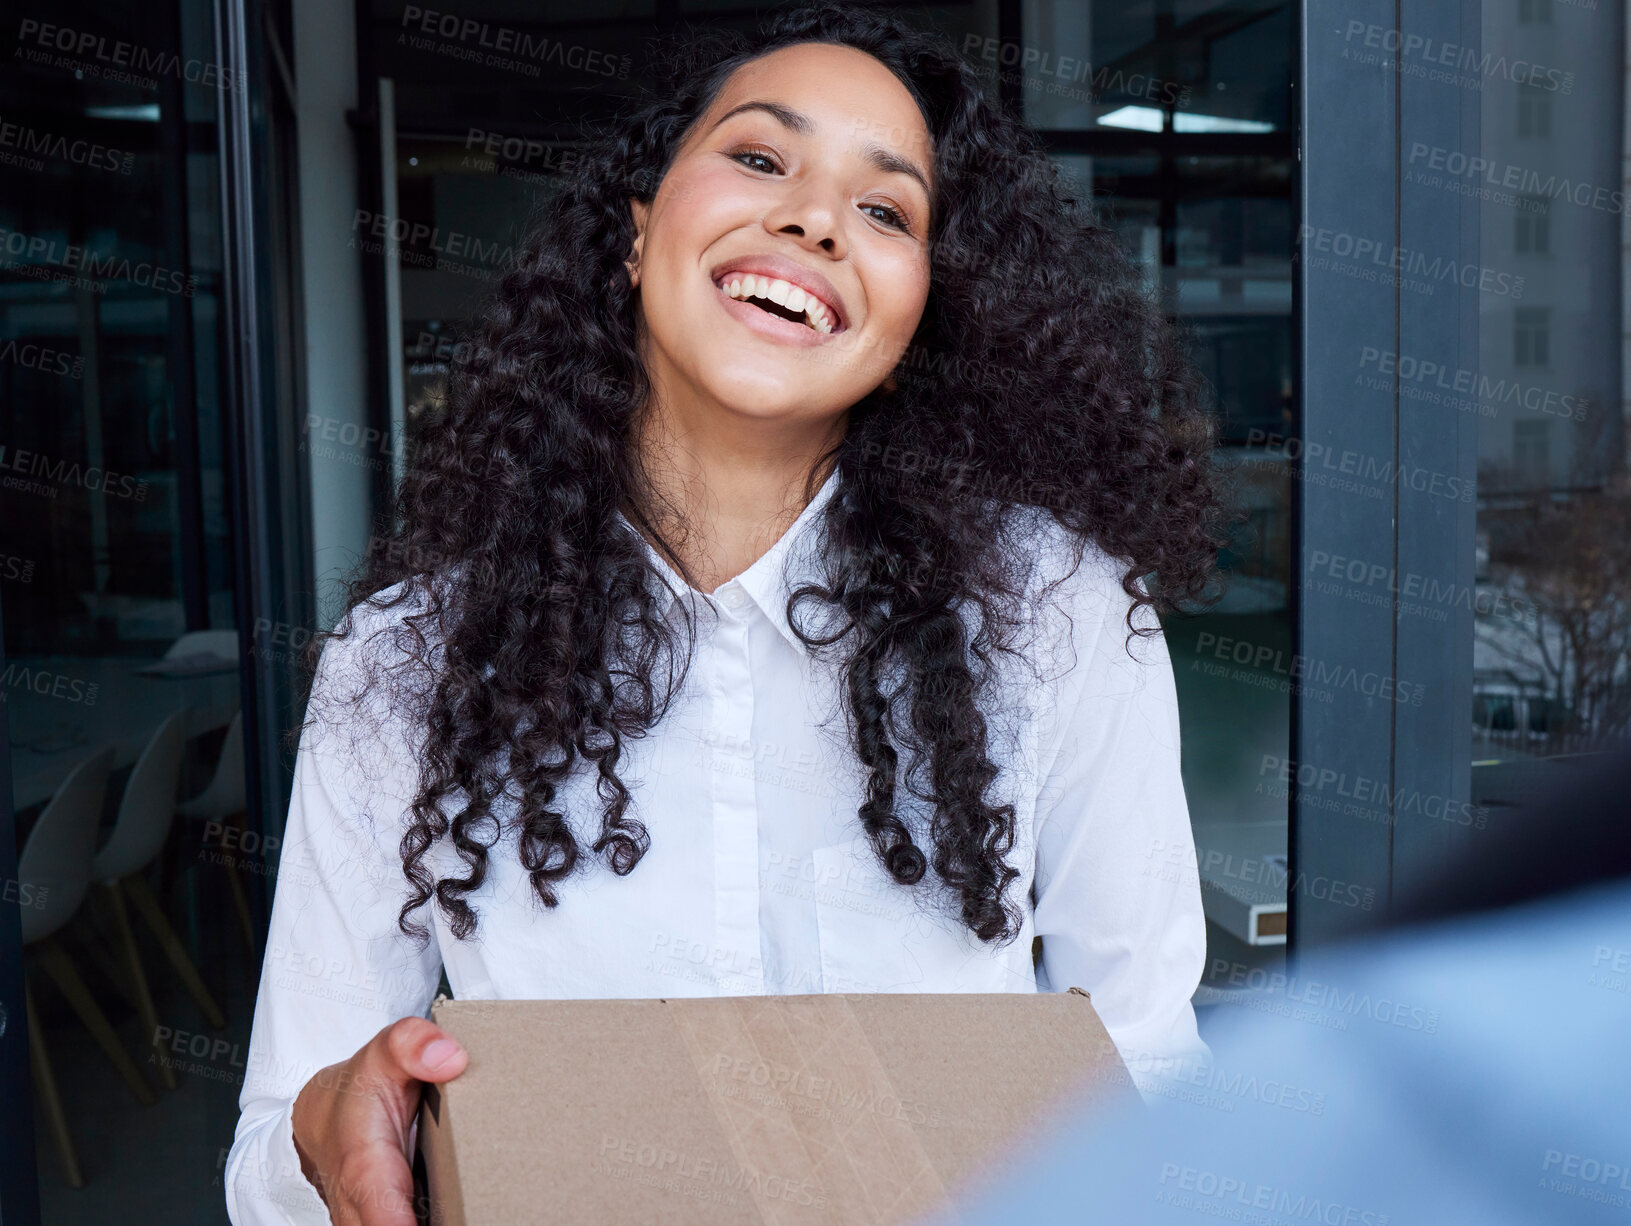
{"points": [[1044, 379]]}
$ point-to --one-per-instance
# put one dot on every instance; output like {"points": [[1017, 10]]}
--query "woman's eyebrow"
{"points": [[883, 159]]}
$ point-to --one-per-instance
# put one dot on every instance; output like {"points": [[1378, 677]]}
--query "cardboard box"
{"points": [[750, 1110]]}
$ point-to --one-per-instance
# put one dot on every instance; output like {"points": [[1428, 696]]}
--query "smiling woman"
{"points": [[782, 187], [800, 518]]}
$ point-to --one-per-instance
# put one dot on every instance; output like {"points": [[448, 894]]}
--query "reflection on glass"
{"points": [[1552, 648], [121, 666], [466, 202], [1229, 281], [1206, 67], [1211, 226], [1150, 119]]}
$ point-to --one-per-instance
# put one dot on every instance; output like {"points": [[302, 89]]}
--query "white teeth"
{"points": [[782, 293]]}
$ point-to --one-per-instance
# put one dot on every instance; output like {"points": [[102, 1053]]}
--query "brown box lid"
{"points": [[752, 1110]]}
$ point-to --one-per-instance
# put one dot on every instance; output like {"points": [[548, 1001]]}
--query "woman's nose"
{"points": [[810, 213]]}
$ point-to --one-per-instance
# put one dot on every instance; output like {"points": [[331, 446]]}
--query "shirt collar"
{"points": [[766, 583]]}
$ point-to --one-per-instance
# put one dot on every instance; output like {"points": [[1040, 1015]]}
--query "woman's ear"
{"points": [[641, 211]]}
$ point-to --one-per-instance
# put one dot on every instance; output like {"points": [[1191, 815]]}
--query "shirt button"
{"points": [[733, 598]]}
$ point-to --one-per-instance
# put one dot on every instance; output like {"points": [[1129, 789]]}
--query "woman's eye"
{"points": [[891, 215], [763, 162], [746, 156]]}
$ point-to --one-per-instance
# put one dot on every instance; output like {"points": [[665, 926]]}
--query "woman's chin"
{"points": [[769, 399]]}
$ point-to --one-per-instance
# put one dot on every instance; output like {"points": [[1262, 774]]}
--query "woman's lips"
{"points": [[772, 326], [768, 268]]}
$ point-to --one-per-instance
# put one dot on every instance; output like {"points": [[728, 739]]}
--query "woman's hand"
{"points": [[351, 1121]]}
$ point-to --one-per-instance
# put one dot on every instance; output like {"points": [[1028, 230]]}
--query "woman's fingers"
{"points": [[352, 1121], [419, 1050]]}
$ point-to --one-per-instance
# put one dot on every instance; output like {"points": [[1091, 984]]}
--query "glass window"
{"points": [[518, 69], [1531, 452], [1552, 678], [1126, 191], [1194, 171], [1531, 336], [1232, 283], [109, 417], [1212, 66], [116, 580], [1532, 226], [469, 200], [1534, 111]]}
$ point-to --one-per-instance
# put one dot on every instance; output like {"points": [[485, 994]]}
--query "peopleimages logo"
{"points": [[61, 472], [42, 358], [1213, 1194], [47, 684], [492, 45], [1325, 997], [1516, 178], [1358, 468], [418, 233], [35, 250], [77, 152], [525, 151], [1437, 60], [1460, 380], [1386, 260], [1266, 657], [1403, 801], [117, 60], [1103, 80], [1359, 573]]}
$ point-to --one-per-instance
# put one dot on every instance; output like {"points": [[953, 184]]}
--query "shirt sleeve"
{"points": [[337, 968], [1117, 898]]}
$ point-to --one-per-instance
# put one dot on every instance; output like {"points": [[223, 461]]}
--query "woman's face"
{"points": [[807, 178]]}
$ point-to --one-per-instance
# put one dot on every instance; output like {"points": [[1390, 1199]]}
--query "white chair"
{"points": [[221, 643], [145, 813], [224, 800], [56, 864]]}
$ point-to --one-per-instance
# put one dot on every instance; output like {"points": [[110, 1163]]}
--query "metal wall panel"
{"points": [[1345, 725], [1390, 289]]}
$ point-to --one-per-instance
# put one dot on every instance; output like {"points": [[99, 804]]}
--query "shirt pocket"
{"points": [[877, 936]]}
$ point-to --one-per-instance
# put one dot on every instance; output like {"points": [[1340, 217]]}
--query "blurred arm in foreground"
{"points": [[1472, 1063]]}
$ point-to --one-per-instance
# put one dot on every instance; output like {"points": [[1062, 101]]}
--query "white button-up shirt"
{"points": [[758, 878]]}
